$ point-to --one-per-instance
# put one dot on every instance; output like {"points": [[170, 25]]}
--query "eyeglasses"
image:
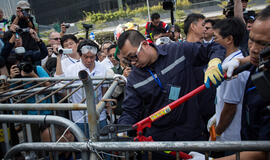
{"points": [[56, 39], [85, 49], [134, 58], [207, 28]]}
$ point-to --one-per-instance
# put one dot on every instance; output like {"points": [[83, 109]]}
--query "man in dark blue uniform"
{"points": [[161, 75]]}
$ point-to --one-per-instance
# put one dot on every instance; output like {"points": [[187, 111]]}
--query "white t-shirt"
{"points": [[107, 63], [77, 97], [232, 91]]}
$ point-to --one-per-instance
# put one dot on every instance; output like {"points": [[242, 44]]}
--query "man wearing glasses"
{"points": [[208, 32], [161, 75]]}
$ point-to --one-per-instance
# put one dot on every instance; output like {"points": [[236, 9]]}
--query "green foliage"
{"points": [[99, 18], [179, 14], [182, 4], [267, 1], [223, 4]]}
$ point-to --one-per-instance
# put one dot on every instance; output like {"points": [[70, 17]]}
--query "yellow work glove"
{"points": [[213, 73]]}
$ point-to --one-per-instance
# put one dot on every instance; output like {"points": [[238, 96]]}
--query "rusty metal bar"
{"points": [[70, 94], [34, 86], [53, 79], [10, 84], [41, 106], [32, 94], [52, 93], [19, 86]]}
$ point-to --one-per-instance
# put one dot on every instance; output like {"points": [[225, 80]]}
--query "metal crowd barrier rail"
{"points": [[51, 90], [95, 147], [47, 119]]}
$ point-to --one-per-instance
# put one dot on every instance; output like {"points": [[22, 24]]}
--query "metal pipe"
{"points": [[48, 146], [47, 119], [8, 85], [40, 88], [52, 93], [6, 133], [53, 79], [22, 91], [42, 106], [91, 107], [70, 94], [35, 93], [107, 95], [96, 87], [19, 86], [202, 146]]}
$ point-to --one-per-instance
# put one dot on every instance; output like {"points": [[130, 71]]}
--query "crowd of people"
{"points": [[158, 68]]}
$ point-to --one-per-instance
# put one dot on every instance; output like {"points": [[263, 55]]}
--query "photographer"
{"points": [[69, 43], [25, 21], [12, 40]]}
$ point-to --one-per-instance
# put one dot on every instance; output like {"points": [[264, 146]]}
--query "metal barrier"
{"points": [[93, 111], [144, 146], [52, 89], [47, 119]]}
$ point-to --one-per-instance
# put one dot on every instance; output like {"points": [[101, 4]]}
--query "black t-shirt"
{"points": [[23, 23], [28, 42]]}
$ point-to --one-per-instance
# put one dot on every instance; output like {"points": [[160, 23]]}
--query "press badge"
{"points": [[174, 93]]}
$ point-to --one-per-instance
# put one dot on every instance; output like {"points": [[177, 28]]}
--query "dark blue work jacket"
{"points": [[174, 68], [255, 115]]}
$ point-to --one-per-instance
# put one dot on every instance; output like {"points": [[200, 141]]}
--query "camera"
{"points": [[64, 51], [87, 26], [67, 25], [228, 11], [25, 66], [22, 30], [261, 79], [25, 12], [168, 4]]}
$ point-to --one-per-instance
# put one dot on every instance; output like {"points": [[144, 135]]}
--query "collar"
{"points": [[159, 50], [233, 55], [83, 67], [210, 41]]}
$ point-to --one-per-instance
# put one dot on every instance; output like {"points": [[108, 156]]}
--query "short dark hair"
{"points": [[134, 36], [176, 28], [264, 14], [193, 17], [213, 22], [84, 43], [106, 42], [111, 47], [231, 27], [155, 16], [68, 36], [157, 32]]}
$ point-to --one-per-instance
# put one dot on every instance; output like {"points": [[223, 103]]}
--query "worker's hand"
{"points": [[211, 121], [120, 77], [230, 66], [213, 73], [198, 156]]}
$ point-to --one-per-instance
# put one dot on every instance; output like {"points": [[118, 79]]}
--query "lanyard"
{"points": [[239, 52], [156, 79], [72, 60]]}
